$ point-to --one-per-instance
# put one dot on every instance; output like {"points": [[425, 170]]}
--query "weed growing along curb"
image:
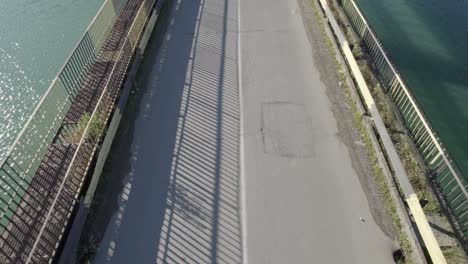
{"points": [[358, 119], [94, 131]]}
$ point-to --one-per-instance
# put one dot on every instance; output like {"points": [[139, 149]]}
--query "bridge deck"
{"points": [[182, 161]]}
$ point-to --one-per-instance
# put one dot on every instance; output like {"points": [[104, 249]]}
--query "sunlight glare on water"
{"points": [[36, 37]]}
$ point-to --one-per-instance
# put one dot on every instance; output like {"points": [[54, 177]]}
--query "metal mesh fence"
{"points": [[42, 174]]}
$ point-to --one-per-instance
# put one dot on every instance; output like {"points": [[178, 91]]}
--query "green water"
{"points": [[428, 42], [36, 37]]}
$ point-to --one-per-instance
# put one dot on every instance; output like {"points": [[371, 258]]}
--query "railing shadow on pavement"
{"points": [[177, 149]]}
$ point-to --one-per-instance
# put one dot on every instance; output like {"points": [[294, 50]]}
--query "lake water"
{"points": [[36, 37], [428, 42]]}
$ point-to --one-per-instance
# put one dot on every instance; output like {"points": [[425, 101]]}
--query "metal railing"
{"points": [[89, 140], [42, 173], [20, 163], [443, 169]]}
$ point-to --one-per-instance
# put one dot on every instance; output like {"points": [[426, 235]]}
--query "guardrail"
{"points": [[43, 172], [443, 169]]}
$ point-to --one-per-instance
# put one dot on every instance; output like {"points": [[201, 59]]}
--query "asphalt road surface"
{"points": [[304, 200], [230, 151]]}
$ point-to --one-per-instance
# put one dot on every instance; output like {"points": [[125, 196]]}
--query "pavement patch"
{"points": [[287, 130]]}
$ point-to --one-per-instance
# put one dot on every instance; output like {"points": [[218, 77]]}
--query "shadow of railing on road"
{"points": [[177, 149], [202, 223]]}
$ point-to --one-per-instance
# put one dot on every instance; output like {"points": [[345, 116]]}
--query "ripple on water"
{"points": [[35, 39], [17, 94]]}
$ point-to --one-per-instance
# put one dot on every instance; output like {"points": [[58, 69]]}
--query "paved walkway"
{"points": [[180, 198], [304, 199], [186, 198]]}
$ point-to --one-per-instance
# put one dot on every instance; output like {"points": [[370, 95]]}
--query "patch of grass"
{"points": [[432, 207], [454, 254], [367, 74], [76, 132], [416, 173], [95, 129], [381, 181]]}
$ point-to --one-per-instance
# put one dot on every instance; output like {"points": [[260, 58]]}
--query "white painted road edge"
{"points": [[243, 202], [413, 202]]}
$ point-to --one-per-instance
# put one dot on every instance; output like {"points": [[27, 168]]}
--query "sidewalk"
{"points": [[178, 157]]}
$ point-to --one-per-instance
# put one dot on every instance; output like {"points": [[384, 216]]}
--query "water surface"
{"points": [[428, 42], [36, 37]]}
